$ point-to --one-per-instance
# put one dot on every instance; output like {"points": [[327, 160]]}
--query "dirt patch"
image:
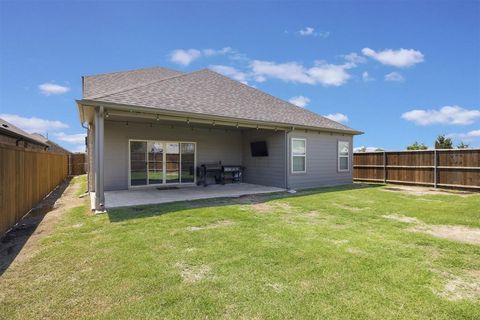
{"points": [[456, 233], [284, 206], [262, 207], [350, 207], [420, 191], [355, 251], [312, 214], [464, 287], [272, 206], [218, 224], [192, 274], [338, 242], [451, 232], [277, 287], [21, 243], [398, 217]]}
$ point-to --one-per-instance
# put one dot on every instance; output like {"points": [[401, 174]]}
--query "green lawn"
{"points": [[327, 254]]}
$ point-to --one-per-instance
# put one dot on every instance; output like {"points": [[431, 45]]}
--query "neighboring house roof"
{"points": [[102, 84], [203, 92], [52, 145], [9, 129]]}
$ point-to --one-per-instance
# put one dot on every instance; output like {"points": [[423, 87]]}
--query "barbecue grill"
{"points": [[220, 173]]}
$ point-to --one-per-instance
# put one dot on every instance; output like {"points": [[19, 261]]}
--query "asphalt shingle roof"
{"points": [[205, 92], [102, 84], [11, 130]]}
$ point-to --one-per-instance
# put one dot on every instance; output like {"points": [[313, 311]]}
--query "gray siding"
{"points": [[213, 145], [269, 170], [231, 147], [322, 161]]}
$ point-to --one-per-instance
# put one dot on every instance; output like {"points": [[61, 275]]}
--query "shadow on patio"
{"points": [[145, 211]]}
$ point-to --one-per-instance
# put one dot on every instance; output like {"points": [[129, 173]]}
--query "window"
{"points": [[161, 162], [299, 155], [343, 156]]}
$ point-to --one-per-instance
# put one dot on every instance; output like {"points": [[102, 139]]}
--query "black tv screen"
{"points": [[259, 149]]}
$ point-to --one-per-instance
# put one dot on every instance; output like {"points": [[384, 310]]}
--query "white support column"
{"points": [[99, 134]]}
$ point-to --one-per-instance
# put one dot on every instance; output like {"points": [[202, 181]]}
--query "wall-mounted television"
{"points": [[259, 149]]}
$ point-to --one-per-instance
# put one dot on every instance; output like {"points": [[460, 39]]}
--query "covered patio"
{"points": [[136, 197]]}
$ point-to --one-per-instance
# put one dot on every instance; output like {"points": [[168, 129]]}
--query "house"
{"points": [[155, 127], [14, 136], [52, 146]]}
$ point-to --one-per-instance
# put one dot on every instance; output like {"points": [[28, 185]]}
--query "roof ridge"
{"points": [[104, 95], [277, 98], [125, 71]]}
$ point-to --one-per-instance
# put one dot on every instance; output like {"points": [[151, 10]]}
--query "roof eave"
{"points": [[21, 137], [96, 103]]}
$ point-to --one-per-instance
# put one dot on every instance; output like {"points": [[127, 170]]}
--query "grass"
{"points": [[325, 253]]}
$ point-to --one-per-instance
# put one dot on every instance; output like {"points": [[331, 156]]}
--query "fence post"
{"points": [[435, 168], [384, 167]]}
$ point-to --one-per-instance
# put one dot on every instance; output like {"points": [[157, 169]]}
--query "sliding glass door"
{"points": [[155, 162], [161, 162], [138, 163], [172, 169], [187, 156]]}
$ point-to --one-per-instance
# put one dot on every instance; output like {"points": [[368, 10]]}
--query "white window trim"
{"points": [[164, 165], [339, 156], [292, 155]]}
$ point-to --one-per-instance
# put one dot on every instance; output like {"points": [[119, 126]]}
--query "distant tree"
{"points": [[379, 149], [463, 145], [443, 142], [362, 149], [417, 146]]}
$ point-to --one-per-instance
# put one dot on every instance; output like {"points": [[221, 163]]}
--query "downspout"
{"points": [[286, 159]]}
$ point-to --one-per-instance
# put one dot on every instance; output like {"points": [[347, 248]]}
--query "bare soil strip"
{"points": [[451, 232]]}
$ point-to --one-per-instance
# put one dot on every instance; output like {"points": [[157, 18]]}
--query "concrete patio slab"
{"points": [[125, 198]]}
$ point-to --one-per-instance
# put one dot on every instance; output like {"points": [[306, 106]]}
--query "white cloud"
{"points": [[394, 76], [330, 74], [299, 101], [469, 136], [230, 72], [34, 124], [213, 52], [289, 72], [78, 138], [310, 31], [366, 77], [322, 73], [338, 117], [307, 31], [401, 58], [185, 57], [52, 88], [445, 115], [354, 58]]}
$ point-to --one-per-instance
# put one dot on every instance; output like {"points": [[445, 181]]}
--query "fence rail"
{"points": [[456, 168], [26, 177]]}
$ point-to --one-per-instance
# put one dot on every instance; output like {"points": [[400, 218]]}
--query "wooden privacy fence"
{"points": [[26, 177], [455, 168], [77, 163]]}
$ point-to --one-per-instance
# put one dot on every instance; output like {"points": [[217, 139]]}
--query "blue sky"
{"points": [[399, 71]]}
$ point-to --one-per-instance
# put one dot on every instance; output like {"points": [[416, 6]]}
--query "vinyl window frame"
{"points": [[339, 156], [293, 155], [164, 142]]}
